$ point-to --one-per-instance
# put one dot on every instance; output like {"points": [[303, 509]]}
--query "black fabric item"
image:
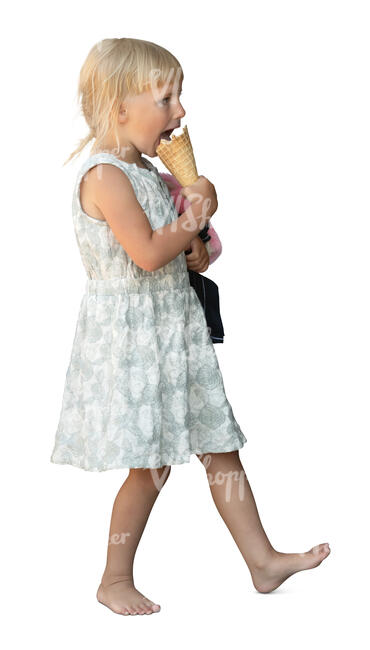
{"points": [[207, 292]]}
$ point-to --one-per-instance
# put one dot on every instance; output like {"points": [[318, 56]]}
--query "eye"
{"points": [[163, 101], [169, 97]]}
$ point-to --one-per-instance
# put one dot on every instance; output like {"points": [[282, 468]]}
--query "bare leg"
{"points": [[234, 500], [131, 509]]}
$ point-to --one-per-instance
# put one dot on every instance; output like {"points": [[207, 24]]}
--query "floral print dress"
{"points": [[143, 387]]}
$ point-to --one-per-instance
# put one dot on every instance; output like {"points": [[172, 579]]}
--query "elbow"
{"points": [[151, 266], [145, 265], [146, 259], [148, 264], [151, 262]]}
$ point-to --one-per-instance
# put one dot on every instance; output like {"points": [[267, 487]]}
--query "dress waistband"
{"points": [[144, 284]]}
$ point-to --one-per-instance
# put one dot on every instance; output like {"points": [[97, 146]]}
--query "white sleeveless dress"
{"points": [[143, 387]]}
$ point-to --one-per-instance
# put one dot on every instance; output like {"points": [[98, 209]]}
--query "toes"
{"points": [[322, 548], [151, 606], [320, 552], [139, 610], [317, 550], [143, 607]]}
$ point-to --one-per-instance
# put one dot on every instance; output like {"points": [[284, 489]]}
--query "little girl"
{"points": [[143, 389]]}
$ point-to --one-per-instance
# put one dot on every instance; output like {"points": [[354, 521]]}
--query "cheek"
{"points": [[156, 125]]}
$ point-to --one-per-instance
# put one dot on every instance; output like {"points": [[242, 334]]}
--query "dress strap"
{"points": [[106, 158]]}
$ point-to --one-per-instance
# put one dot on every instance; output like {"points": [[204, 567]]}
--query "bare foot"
{"points": [[282, 565], [121, 597]]}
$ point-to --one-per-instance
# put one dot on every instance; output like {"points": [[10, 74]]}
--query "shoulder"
{"points": [[102, 183], [106, 176], [111, 189]]}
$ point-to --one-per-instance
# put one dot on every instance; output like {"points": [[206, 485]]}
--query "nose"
{"points": [[180, 113]]}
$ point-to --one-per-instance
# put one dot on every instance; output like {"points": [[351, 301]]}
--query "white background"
{"points": [[277, 101]]}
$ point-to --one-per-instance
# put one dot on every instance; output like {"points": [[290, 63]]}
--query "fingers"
{"points": [[198, 259], [199, 268]]}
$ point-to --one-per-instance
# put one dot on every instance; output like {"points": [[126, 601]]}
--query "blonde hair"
{"points": [[113, 69]]}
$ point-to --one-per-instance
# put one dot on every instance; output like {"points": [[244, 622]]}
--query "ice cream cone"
{"points": [[178, 156]]}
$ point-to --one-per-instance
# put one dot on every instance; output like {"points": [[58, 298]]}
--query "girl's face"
{"points": [[145, 117]]}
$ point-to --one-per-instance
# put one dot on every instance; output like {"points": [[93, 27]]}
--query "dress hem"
{"points": [[175, 461]]}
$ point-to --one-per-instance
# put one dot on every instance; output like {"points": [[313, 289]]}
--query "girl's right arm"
{"points": [[213, 245], [113, 194]]}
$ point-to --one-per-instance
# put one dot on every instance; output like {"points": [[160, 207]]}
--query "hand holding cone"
{"points": [[178, 156]]}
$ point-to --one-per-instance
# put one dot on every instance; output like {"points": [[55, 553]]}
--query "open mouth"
{"points": [[166, 135]]}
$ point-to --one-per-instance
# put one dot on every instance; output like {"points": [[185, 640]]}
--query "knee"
{"points": [[209, 458], [152, 478]]}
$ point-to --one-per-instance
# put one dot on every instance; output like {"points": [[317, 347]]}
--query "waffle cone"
{"points": [[178, 156]]}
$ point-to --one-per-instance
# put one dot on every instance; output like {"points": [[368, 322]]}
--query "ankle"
{"points": [[263, 560], [110, 578]]}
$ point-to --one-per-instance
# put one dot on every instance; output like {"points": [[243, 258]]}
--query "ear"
{"points": [[122, 115]]}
